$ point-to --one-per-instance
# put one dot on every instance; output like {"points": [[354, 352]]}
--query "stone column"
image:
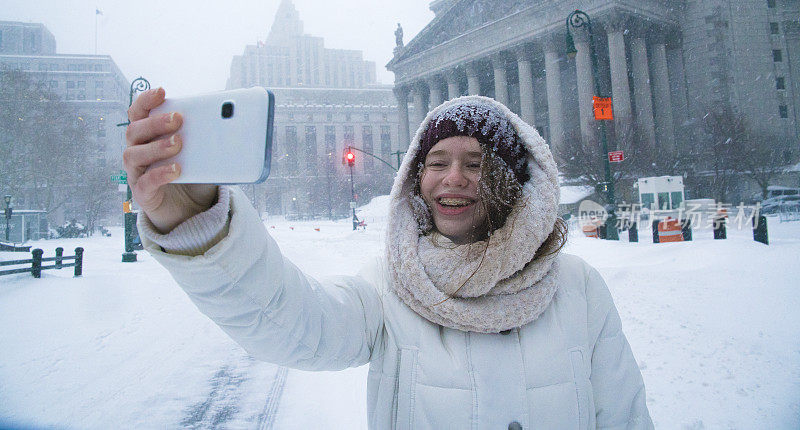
{"points": [[665, 128], [452, 85], [620, 90], [555, 112], [473, 84], [434, 91], [583, 66], [420, 107], [401, 94], [500, 79], [641, 90], [527, 109]]}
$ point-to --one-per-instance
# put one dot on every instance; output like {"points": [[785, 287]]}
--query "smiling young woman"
{"points": [[473, 317], [449, 185]]}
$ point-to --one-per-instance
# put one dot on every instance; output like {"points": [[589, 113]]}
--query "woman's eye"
{"points": [[436, 164]]}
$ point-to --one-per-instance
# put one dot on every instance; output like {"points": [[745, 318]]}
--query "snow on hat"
{"points": [[485, 123]]}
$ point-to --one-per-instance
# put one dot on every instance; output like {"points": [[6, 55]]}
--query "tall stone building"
{"points": [[326, 100], [664, 62], [92, 85]]}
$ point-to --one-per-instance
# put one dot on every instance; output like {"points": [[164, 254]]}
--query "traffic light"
{"points": [[349, 156]]}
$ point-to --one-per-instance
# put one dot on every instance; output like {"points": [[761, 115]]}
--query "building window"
{"points": [[366, 116], [366, 138], [330, 143], [81, 96], [291, 150], [784, 111], [101, 127], [349, 135], [310, 118], [70, 84], [774, 28], [291, 116], [53, 85], [386, 142], [81, 84], [347, 116], [385, 117], [777, 55], [329, 117], [42, 67], [311, 148], [771, 4], [780, 83]]}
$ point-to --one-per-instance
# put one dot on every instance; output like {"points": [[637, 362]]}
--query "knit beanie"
{"points": [[484, 122]]}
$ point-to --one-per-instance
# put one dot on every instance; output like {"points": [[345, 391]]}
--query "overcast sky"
{"points": [[186, 46]]}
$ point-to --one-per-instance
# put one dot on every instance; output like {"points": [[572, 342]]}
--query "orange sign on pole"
{"points": [[126, 206], [603, 110]]}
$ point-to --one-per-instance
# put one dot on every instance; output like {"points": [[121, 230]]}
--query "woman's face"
{"points": [[449, 185]]}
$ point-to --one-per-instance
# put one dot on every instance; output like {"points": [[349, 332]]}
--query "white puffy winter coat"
{"points": [[572, 368]]}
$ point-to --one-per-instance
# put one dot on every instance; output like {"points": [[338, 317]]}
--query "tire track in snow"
{"points": [[221, 403], [266, 420]]}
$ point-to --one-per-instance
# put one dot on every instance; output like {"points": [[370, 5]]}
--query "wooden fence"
{"points": [[36, 265]]}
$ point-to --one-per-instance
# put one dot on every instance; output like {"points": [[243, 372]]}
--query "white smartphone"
{"points": [[227, 136]]}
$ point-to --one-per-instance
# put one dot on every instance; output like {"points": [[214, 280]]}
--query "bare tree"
{"points": [[44, 143], [762, 158], [726, 133], [585, 163]]}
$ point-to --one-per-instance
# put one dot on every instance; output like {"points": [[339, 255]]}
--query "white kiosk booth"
{"points": [[661, 193]]}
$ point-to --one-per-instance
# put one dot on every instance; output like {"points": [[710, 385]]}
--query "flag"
{"points": [[97, 11]]}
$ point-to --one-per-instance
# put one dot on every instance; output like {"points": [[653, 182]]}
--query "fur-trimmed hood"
{"points": [[505, 286]]}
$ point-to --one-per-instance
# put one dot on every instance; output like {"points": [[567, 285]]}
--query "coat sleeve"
{"points": [[271, 308], [617, 384]]}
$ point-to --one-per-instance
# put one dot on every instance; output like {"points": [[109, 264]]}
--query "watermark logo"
{"points": [[695, 216]]}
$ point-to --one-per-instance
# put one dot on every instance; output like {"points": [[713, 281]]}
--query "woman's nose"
{"points": [[455, 177]]}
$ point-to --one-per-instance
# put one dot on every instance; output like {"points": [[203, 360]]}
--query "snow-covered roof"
{"points": [[574, 193]]}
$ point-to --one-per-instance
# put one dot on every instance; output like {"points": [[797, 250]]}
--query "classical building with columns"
{"points": [[325, 100], [665, 63]]}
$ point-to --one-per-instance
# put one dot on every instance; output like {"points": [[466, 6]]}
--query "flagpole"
{"points": [[95, 32]]}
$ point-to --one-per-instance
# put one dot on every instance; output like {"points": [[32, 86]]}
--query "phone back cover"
{"points": [[222, 150]]}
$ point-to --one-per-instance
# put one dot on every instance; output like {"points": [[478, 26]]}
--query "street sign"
{"points": [[603, 110], [126, 206], [120, 178], [616, 156], [353, 205]]}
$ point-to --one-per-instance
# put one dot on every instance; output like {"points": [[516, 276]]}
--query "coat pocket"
{"points": [[406, 382], [581, 379]]}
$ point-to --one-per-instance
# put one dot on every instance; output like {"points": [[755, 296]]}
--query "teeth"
{"points": [[448, 201]]}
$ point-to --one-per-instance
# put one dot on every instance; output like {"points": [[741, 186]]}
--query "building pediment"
{"points": [[460, 17], [474, 29]]}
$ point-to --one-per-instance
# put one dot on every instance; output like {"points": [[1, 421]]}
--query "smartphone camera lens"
{"points": [[227, 109]]}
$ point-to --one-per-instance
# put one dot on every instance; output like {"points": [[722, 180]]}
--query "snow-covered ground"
{"points": [[715, 326]]}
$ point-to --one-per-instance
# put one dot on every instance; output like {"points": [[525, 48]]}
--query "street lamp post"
{"points": [[7, 199], [138, 85], [578, 19]]}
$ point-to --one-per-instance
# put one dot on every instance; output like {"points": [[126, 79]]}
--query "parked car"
{"points": [[778, 204]]}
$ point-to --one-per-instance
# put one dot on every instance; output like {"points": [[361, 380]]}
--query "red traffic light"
{"points": [[349, 157]]}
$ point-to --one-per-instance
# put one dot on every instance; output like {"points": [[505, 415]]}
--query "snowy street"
{"points": [[713, 324]]}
